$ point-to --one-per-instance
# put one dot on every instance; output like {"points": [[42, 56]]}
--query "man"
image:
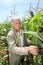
{"points": [[17, 47]]}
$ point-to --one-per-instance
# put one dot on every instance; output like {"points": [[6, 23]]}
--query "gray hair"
{"points": [[14, 18]]}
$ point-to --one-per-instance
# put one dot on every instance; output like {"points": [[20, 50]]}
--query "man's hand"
{"points": [[33, 50]]}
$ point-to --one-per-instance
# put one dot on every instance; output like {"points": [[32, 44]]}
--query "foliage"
{"points": [[33, 29], [4, 29]]}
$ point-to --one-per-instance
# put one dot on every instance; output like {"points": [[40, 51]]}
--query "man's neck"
{"points": [[16, 30]]}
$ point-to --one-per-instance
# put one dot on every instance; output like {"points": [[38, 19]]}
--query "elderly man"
{"points": [[16, 43]]}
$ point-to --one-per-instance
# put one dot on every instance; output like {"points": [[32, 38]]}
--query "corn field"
{"points": [[33, 29]]}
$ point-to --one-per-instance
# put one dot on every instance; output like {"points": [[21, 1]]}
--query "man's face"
{"points": [[16, 25]]}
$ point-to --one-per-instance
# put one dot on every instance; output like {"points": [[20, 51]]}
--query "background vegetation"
{"points": [[33, 29]]}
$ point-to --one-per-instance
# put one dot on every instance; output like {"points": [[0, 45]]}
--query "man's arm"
{"points": [[20, 50], [14, 49]]}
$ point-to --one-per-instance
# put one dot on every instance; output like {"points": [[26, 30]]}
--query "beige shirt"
{"points": [[15, 51]]}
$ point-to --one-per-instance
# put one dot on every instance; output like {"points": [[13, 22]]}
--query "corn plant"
{"points": [[32, 29], [4, 29]]}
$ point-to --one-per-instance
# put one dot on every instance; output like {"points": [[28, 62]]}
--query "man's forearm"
{"points": [[19, 50]]}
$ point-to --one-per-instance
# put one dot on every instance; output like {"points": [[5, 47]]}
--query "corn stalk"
{"points": [[31, 29]]}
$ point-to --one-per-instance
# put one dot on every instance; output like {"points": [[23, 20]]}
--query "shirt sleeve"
{"points": [[14, 49]]}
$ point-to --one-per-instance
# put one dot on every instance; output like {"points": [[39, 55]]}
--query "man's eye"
{"points": [[17, 23]]}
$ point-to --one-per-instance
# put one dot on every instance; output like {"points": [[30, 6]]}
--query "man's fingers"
{"points": [[33, 47], [33, 50]]}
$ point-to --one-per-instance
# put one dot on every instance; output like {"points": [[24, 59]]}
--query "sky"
{"points": [[21, 6]]}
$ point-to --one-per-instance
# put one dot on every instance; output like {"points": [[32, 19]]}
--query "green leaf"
{"points": [[34, 33], [36, 16]]}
